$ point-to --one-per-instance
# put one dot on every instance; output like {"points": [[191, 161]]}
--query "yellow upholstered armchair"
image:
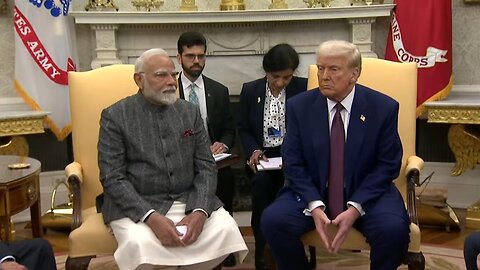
{"points": [[399, 81], [90, 93]]}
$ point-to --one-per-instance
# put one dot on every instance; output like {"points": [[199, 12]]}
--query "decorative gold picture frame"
{"points": [[471, 1]]}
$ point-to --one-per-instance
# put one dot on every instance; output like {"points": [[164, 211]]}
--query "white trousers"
{"points": [[139, 248]]}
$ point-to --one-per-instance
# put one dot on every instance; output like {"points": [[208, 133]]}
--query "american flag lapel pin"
{"points": [[362, 117]]}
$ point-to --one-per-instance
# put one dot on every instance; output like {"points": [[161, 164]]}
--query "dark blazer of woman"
{"points": [[265, 184], [250, 117]]}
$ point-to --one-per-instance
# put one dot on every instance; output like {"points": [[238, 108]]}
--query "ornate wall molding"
{"points": [[121, 36], [106, 47]]}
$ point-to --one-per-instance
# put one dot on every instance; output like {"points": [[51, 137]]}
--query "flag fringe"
{"points": [[60, 134], [442, 94]]}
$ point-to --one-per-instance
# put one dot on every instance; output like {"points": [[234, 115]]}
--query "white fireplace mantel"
{"points": [[165, 17], [122, 36]]}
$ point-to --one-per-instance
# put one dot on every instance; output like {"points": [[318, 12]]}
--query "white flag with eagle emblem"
{"points": [[44, 53]]}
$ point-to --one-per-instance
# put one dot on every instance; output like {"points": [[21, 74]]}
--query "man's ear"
{"points": [[138, 80], [355, 75], [179, 59]]}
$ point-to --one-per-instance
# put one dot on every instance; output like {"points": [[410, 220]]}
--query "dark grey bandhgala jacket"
{"points": [[150, 156]]}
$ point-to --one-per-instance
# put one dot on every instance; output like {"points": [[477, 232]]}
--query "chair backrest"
{"points": [[399, 81], [91, 92]]}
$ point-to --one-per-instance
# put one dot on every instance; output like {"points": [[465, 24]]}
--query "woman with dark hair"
{"points": [[261, 125]]}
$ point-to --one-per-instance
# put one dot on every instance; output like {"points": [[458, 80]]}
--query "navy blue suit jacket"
{"points": [[250, 117], [373, 152]]}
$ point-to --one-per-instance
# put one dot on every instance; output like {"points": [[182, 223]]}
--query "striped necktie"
{"points": [[193, 97]]}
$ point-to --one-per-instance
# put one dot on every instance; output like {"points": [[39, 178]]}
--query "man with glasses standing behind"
{"points": [[213, 100]]}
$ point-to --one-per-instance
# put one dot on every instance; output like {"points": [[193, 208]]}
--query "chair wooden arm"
{"points": [[414, 166], [414, 163], [75, 178], [74, 168]]}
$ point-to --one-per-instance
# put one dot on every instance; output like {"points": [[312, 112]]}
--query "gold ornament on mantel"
{"points": [[3, 6], [101, 5], [148, 5], [317, 3], [232, 5], [278, 4], [365, 2], [188, 5]]}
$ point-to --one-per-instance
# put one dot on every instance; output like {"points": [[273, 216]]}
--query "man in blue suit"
{"points": [[29, 254], [364, 167]]}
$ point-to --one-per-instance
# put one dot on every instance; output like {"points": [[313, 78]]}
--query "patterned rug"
{"points": [[437, 258]]}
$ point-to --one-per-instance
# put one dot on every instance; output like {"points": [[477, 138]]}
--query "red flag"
{"points": [[421, 32]]}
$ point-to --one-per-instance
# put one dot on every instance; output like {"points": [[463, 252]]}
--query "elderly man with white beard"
{"points": [[159, 178]]}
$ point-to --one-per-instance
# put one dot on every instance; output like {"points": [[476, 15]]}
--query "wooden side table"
{"points": [[19, 190], [460, 109]]}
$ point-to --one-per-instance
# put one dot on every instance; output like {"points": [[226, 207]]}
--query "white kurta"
{"points": [[138, 245]]}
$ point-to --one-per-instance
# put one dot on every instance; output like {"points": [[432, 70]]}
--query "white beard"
{"points": [[167, 98]]}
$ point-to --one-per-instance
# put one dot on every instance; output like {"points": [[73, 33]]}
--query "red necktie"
{"points": [[337, 152]]}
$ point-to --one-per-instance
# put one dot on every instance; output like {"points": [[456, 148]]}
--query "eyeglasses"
{"points": [[162, 75], [192, 57]]}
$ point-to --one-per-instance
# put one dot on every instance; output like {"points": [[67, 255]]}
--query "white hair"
{"points": [[341, 48], [146, 55]]}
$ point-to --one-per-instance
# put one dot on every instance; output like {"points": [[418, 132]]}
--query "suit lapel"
{"points": [[258, 105], [356, 132], [318, 122], [209, 96], [210, 99]]}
